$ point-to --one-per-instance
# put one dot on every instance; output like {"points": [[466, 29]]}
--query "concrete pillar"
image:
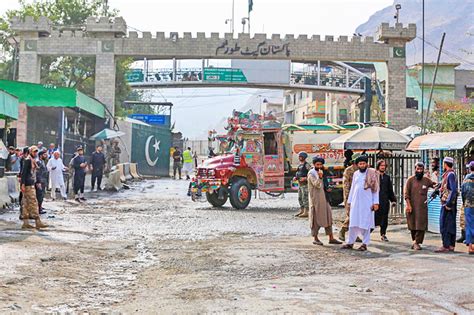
{"points": [[105, 80], [396, 92], [396, 111], [29, 67]]}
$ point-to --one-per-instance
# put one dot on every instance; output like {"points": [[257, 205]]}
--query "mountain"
{"points": [[455, 17]]}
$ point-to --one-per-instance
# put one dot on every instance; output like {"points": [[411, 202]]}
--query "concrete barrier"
{"points": [[5, 200], [121, 169], [134, 171], [114, 181], [126, 171], [13, 188]]}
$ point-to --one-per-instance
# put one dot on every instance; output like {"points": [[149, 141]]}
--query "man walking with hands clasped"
{"points": [[363, 200], [416, 195]]}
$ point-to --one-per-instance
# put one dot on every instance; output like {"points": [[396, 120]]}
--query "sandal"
{"points": [[442, 250], [347, 246], [318, 242], [362, 248], [335, 242]]}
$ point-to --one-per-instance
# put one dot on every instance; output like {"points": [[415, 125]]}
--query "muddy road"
{"points": [[152, 250]]}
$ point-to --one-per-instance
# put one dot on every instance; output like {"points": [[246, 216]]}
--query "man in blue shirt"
{"points": [[449, 194]]}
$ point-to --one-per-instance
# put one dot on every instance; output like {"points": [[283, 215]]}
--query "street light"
{"points": [[231, 24], [398, 7], [244, 20]]}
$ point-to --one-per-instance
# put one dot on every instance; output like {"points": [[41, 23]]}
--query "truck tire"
{"points": [[240, 193], [214, 200]]}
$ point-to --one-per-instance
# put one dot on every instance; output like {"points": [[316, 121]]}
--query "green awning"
{"points": [[8, 106], [38, 95]]}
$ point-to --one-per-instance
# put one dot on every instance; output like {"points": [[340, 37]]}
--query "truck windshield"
{"points": [[270, 144]]}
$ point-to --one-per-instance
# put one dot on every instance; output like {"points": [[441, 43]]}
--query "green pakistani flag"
{"points": [[250, 5]]}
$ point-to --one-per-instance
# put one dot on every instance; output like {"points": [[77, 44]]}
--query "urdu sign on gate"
{"points": [[150, 149]]}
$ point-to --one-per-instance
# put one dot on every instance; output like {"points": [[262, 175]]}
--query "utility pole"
{"points": [[433, 83], [105, 7], [233, 16], [422, 62]]}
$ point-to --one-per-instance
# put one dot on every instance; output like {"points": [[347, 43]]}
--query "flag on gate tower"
{"points": [[250, 5]]}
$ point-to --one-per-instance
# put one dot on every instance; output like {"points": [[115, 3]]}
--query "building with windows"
{"points": [[51, 114], [464, 81]]}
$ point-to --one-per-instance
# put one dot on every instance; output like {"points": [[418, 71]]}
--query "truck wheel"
{"points": [[214, 200], [240, 194]]}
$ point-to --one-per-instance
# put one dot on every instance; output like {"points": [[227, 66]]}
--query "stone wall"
{"points": [[106, 40]]}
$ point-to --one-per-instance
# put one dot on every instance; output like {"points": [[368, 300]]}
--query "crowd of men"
{"points": [[368, 195], [40, 169]]}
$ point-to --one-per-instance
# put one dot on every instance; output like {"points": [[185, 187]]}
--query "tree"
{"points": [[452, 116], [74, 72]]}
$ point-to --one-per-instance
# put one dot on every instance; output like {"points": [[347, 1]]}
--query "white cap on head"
{"points": [[448, 159]]}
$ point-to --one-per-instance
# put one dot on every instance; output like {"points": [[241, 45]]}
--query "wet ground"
{"points": [[152, 250]]}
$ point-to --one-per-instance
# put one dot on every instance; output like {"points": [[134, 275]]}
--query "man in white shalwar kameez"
{"points": [[56, 167], [363, 201]]}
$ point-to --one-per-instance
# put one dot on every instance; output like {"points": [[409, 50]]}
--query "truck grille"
{"points": [[202, 172], [206, 173]]}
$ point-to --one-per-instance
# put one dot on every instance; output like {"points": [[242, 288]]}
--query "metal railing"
{"points": [[399, 167]]}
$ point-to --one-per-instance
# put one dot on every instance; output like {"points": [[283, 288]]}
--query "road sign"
{"points": [[135, 75], [224, 75], [152, 119]]}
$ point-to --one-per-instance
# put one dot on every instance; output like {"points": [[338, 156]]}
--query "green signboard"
{"points": [[223, 75], [135, 75]]}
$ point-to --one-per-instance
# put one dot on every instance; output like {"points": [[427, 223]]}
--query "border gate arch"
{"points": [[107, 39]]}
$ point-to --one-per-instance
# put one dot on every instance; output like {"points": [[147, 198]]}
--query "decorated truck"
{"points": [[258, 153]]}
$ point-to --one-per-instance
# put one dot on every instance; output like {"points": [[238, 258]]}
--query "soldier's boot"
{"points": [[26, 225], [305, 213], [342, 234], [300, 213], [40, 225], [462, 238]]}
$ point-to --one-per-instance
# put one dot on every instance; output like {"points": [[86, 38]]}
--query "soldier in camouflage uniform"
{"points": [[347, 182], [29, 209], [302, 177]]}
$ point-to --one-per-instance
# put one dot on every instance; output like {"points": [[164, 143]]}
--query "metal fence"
{"points": [[399, 167]]}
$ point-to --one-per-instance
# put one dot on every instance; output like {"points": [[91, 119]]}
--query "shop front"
{"points": [[50, 114]]}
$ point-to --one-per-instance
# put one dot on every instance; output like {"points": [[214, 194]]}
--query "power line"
{"points": [[447, 53]]}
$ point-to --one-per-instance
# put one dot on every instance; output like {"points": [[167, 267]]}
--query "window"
{"points": [[412, 103], [270, 144], [343, 116]]}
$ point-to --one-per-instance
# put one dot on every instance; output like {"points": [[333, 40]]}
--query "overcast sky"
{"points": [[193, 113]]}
